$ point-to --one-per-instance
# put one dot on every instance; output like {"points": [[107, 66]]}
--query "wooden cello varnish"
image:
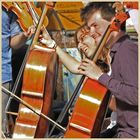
{"points": [[37, 89], [24, 18], [90, 107]]}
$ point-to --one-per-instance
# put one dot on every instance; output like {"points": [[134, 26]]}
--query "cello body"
{"points": [[37, 90], [89, 111], [38, 85]]}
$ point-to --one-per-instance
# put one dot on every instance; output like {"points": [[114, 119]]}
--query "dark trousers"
{"points": [[109, 133]]}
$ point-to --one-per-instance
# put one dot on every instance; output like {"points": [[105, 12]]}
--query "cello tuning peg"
{"points": [[119, 7]]}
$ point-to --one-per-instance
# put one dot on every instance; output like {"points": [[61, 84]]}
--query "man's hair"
{"points": [[107, 12], [106, 9]]}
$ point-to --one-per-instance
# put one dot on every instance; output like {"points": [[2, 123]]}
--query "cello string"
{"points": [[36, 16], [68, 104], [18, 79], [31, 108], [75, 93], [41, 113], [33, 13], [113, 27], [94, 58]]}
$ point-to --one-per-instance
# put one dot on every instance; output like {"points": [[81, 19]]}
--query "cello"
{"points": [[21, 11], [27, 13], [37, 88], [25, 20], [86, 123]]}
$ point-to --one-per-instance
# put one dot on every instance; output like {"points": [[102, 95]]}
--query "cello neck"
{"points": [[101, 44], [33, 12], [115, 25], [39, 26], [35, 15]]}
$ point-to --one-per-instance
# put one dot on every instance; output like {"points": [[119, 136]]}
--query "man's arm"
{"points": [[122, 90], [128, 88], [20, 39]]}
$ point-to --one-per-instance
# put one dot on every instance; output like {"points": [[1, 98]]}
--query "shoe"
{"points": [[8, 135]]}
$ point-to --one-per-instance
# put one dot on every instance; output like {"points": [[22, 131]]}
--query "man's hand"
{"points": [[30, 32], [90, 69], [20, 39]]}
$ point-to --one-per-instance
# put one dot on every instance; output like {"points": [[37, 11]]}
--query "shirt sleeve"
{"points": [[125, 90], [14, 26]]}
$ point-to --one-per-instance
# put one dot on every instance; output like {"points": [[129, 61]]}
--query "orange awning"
{"points": [[65, 16]]}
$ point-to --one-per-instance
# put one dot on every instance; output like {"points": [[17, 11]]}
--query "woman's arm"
{"points": [[71, 63]]}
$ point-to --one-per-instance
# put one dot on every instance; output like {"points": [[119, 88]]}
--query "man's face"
{"points": [[97, 26], [86, 42]]}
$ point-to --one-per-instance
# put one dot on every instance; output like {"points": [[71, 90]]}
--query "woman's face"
{"points": [[86, 43]]}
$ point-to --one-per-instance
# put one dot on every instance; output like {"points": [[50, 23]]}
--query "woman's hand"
{"points": [[46, 39]]}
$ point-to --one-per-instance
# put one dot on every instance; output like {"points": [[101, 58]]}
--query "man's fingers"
{"points": [[86, 61], [30, 31], [82, 67], [80, 71]]}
